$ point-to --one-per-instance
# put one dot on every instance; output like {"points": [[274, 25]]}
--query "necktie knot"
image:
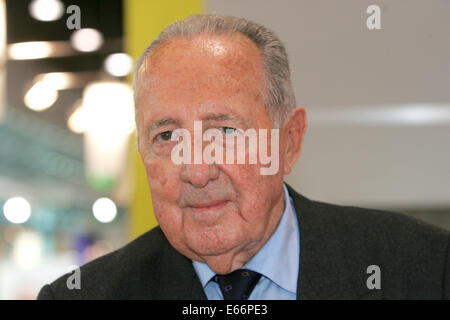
{"points": [[237, 285]]}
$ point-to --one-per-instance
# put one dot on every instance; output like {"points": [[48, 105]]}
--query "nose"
{"points": [[199, 174]]}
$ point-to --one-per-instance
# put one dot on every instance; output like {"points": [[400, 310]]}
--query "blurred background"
{"points": [[72, 186]]}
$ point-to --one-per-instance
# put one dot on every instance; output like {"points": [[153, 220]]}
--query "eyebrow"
{"points": [[219, 117], [161, 123]]}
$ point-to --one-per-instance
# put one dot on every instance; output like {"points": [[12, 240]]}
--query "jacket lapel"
{"points": [[178, 278], [323, 273]]}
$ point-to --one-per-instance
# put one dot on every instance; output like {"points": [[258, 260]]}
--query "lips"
{"points": [[210, 205], [209, 213]]}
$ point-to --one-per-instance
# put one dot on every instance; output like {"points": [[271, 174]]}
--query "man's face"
{"points": [[213, 212]]}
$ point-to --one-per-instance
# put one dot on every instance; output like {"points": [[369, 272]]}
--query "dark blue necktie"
{"points": [[237, 285]]}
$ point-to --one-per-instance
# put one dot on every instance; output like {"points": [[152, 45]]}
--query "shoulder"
{"points": [[123, 273], [413, 256], [390, 228], [369, 224]]}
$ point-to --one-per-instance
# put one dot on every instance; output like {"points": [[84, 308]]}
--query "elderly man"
{"points": [[226, 230]]}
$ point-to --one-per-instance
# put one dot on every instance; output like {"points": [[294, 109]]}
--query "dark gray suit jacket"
{"points": [[337, 245]]}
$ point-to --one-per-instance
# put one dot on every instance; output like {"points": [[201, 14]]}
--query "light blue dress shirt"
{"points": [[277, 261]]}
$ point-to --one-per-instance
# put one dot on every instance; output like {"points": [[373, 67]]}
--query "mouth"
{"points": [[211, 205]]}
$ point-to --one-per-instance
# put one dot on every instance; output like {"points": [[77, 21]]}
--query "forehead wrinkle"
{"points": [[241, 62], [219, 117]]}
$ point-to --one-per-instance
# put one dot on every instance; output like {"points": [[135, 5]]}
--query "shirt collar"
{"points": [[278, 259]]}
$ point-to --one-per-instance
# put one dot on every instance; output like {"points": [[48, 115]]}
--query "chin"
{"points": [[209, 245]]}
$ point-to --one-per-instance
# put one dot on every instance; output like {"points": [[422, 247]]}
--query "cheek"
{"points": [[156, 174], [162, 177], [163, 181], [256, 193]]}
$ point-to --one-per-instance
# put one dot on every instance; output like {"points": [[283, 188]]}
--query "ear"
{"points": [[294, 129]]}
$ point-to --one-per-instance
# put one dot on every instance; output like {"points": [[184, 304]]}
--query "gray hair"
{"points": [[279, 98]]}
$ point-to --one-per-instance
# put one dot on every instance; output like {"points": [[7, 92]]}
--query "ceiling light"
{"points": [[40, 96], [104, 210], [58, 80], [17, 210], [30, 50], [77, 121], [46, 10], [110, 100], [86, 40], [108, 110], [118, 64], [400, 114]]}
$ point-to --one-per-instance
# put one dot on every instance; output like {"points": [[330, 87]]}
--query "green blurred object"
{"points": [[101, 183]]}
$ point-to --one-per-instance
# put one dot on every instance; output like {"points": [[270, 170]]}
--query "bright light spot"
{"points": [[46, 10], [111, 101], [86, 40], [380, 115], [41, 96], [77, 121], [27, 249], [109, 112], [57, 80], [17, 210], [419, 115], [118, 64], [29, 50], [104, 210]]}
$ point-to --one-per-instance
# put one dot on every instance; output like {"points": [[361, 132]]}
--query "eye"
{"points": [[164, 136], [228, 130]]}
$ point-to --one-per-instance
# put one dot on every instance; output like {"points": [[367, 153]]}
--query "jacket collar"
{"points": [[324, 271]]}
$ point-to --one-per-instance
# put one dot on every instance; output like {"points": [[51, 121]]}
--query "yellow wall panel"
{"points": [[143, 21]]}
